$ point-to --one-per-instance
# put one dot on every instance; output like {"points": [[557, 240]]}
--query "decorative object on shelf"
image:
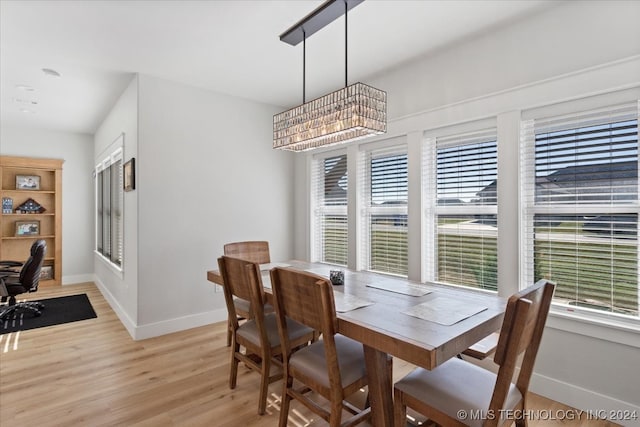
{"points": [[27, 228], [129, 172], [27, 182], [348, 114], [7, 205], [46, 272], [30, 207]]}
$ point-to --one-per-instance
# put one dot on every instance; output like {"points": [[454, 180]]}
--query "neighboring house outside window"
{"points": [[460, 183], [330, 186], [384, 222], [576, 208], [580, 176]]}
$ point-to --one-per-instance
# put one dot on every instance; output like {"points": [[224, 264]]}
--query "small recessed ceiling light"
{"points": [[26, 88], [51, 73], [26, 110], [25, 101]]}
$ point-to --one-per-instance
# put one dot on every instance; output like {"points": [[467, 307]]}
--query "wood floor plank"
{"points": [[91, 373]]}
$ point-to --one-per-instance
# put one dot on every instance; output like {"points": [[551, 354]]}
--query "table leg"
{"points": [[380, 387]]}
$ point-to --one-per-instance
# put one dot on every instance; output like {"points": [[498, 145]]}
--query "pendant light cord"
{"points": [[345, 43], [304, 65], [346, 57]]}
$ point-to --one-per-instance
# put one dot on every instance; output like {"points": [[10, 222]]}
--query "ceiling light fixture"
{"points": [[25, 88], [49, 72], [353, 112], [25, 101]]}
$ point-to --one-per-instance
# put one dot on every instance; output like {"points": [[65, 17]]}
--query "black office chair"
{"points": [[14, 283]]}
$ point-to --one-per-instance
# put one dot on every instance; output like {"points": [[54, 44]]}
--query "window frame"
{"points": [[367, 210], [508, 125], [453, 137], [564, 112], [103, 169], [319, 209]]}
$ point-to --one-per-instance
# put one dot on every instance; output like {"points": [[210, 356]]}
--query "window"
{"points": [[109, 202], [580, 177], [461, 191], [330, 183], [385, 211]]}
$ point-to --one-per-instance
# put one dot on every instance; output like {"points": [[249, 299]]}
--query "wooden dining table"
{"points": [[394, 322]]}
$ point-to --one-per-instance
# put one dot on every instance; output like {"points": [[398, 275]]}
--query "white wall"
{"points": [[121, 288], [563, 39], [575, 50], [207, 175], [77, 220]]}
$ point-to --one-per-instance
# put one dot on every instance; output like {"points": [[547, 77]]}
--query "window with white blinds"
{"points": [[580, 192], [384, 233], [109, 202], [329, 179], [461, 179]]}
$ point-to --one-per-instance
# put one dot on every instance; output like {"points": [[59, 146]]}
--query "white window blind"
{"points": [[461, 196], [580, 193], [109, 202], [384, 222], [329, 180]]}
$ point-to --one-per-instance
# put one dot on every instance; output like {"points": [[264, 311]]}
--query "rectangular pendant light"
{"points": [[354, 112], [351, 113]]}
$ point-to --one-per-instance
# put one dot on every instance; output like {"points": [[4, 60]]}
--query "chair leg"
{"points": [[399, 409], [34, 307], [9, 310], [228, 333], [335, 418], [233, 369], [287, 383], [264, 385]]}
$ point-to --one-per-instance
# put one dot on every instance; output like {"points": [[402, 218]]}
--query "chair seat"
{"points": [[249, 330], [311, 362], [456, 385], [244, 306]]}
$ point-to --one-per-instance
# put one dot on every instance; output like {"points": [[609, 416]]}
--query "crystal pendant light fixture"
{"points": [[354, 112]]}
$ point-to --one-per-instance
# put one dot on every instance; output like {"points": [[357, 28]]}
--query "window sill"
{"points": [[117, 271], [625, 332]]}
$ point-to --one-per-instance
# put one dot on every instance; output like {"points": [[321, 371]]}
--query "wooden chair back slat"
{"points": [[306, 298], [242, 280], [254, 251]]}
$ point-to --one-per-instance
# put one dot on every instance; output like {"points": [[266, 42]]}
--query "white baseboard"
{"points": [[78, 278], [129, 324], [585, 400], [160, 328], [179, 324]]}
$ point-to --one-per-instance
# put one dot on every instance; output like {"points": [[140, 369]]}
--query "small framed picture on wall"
{"points": [[129, 172]]}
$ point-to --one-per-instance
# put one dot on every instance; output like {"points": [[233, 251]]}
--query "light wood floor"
{"points": [[91, 373]]}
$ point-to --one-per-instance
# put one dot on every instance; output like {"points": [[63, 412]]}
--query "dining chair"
{"points": [[254, 251], [259, 334], [333, 367], [458, 387]]}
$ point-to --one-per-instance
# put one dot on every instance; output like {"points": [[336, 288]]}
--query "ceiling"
{"points": [[230, 47]]}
